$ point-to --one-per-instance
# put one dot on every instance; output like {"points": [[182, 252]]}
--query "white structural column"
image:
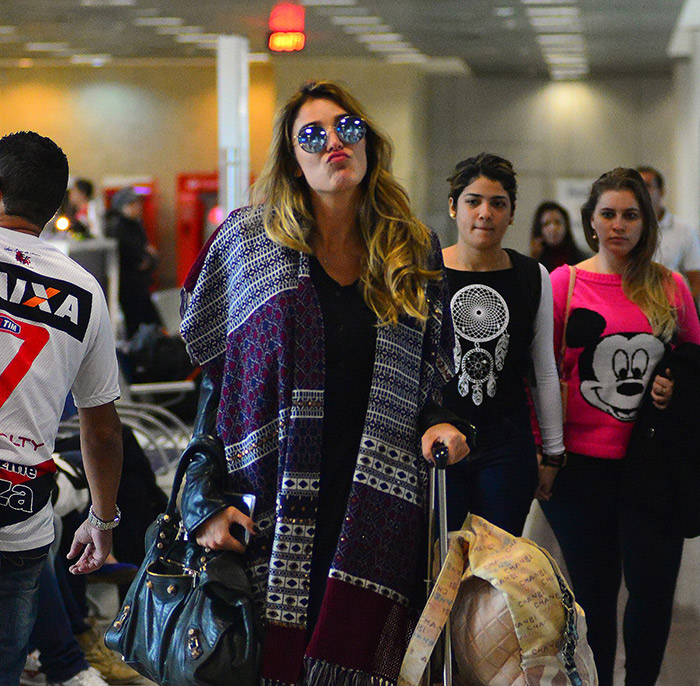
{"points": [[232, 98], [685, 44]]}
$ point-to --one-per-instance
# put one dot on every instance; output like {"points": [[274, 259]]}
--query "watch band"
{"points": [[553, 460], [101, 524]]}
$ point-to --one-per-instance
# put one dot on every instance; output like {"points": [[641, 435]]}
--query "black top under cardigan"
{"points": [[662, 466]]}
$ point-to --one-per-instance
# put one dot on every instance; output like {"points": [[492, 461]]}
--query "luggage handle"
{"points": [[440, 455]]}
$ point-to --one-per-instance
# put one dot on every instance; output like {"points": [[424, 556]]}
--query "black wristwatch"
{"points": [[553, 460]]}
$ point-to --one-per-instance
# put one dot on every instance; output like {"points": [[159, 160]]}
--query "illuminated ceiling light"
{"points": [[62, 224], [286, 41], [159, 21], [286, 28], [25, 63], [503, 11], [407, 58], [567, 74], [46, 47], [7, 30], [258, 57], [548, 2], [107, 3], [379, 37], [174, 30], [287, 17], [558, 23], [552, 12], [197, 38], [328, 3], [362, 28], [402, 47], [93, 60], [560, 39], [564, 58], [344, 20]]}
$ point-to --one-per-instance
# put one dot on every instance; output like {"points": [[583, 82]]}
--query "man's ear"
{"points": [[512, 214], [453, 211]]}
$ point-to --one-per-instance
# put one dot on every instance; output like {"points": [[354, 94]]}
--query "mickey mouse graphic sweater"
{"points": [[609, 358]]}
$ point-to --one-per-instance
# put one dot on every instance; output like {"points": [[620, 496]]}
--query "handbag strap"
{"points": [[567, 309], [201, 443]]}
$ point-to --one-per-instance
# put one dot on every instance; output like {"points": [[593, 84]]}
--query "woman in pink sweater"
{"points": [[623, 312]]}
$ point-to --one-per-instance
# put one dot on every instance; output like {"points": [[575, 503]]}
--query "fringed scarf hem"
{"points": [[320, 673]]}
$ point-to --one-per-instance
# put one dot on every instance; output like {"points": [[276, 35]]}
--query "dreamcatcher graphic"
{"points": [[480, 315]]}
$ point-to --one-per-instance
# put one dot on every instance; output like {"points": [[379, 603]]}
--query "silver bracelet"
{"points": [[101, 524]]}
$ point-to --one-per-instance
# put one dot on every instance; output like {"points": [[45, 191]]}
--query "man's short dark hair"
{"points": [[33, 176], [658, 177]]}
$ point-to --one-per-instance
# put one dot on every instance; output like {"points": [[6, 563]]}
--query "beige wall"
{"points": [[393, 95], [134, 121], [161, 121], [549, 131]]}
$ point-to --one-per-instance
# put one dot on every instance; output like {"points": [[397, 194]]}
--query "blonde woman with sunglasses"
{"points": [[317, 315]]}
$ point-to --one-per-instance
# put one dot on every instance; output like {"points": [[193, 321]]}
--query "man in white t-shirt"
{"points": [[55, 339], [679, 243]]}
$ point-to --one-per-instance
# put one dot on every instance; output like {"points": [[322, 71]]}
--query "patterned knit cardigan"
{"points": [[254, 321]]}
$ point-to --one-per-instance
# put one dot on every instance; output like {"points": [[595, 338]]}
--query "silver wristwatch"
{"points": [[101, 524]]}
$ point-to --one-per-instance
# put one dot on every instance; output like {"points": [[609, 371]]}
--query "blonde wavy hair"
{"points": [[646, 283], [395, 269]]}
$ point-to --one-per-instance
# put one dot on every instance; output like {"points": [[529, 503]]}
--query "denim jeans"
{"points": [[498, 481], [55, 626], [19, 587]]}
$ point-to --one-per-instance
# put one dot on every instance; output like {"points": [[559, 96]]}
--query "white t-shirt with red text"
{"points": [[55, 338]]}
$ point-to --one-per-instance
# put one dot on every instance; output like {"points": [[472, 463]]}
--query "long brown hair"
{"points": [[646, 283], [398, 245]]}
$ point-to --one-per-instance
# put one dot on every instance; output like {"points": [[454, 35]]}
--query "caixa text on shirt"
{"points": [[46, 300]]}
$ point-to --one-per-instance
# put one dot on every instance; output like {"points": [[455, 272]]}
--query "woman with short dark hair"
{"points": [[501, 305]]}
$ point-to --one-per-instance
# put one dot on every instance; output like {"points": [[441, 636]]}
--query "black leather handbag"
{"points": [[188, 617]]}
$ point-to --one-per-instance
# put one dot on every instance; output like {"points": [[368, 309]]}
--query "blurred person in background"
{"points": [[551, 240], [679, 242], [137, 259], [83, 208]]}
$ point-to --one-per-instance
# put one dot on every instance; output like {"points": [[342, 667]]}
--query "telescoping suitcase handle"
{"points": [[437, 476]]}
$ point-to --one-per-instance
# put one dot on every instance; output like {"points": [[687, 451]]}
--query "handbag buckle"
{"points": [[194, 645], [122, 618]]}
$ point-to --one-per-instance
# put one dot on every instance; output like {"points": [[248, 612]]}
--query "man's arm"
{"points": [[101, 446]]}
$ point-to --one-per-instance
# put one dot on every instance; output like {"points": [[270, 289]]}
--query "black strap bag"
{"points": [[188, 617]]}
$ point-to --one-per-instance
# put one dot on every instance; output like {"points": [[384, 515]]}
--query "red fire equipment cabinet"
{"points": [[198, 215]]}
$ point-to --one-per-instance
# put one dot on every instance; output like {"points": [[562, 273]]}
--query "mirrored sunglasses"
{"points": [[350, 130]]}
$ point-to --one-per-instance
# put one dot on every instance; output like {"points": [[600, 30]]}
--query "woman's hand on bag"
{"points": [[448, 435], [662, 390], [215, 532]]}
